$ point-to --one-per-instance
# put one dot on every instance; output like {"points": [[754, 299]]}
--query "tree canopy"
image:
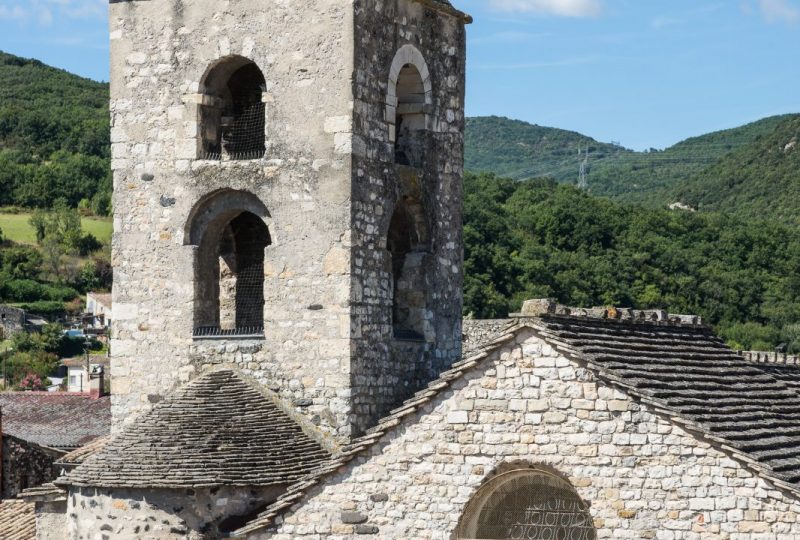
{"points": [[540, 239]]}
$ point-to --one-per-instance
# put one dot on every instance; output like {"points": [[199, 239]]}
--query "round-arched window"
{"points": [[527, 504]]}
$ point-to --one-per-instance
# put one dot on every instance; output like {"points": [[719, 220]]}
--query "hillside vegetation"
{"points": [[54, 164], [757, 181], [740, 269], [519, 150], [540, 239], [54, 137]]}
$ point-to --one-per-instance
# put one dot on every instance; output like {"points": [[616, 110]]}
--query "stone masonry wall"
{"points": [[386, 371], [160, 50], [12, 320], [24, 466], [157, 514], [329, 185], [51, 520], [643, 476]]}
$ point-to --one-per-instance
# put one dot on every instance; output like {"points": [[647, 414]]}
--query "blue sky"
{"points": [[644, 73]]}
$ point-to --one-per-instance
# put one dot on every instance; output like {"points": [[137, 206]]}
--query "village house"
{"points": [[98, 310], [38, 428], [79, 370], [289, 356], [14, 320]]}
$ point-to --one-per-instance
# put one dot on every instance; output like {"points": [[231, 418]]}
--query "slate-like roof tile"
{"points": [[55, 419], [215, 431], [678, 367], [687, 370], [17, 520]]}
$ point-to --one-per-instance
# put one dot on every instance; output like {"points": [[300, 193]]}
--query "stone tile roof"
{"points": [[59, 420], [215, 431], [411, 406], [477, 333], [787, 373], [687, 372], [48, 491], [17, 520], [447, 7], [673, 363], [76, 457]]}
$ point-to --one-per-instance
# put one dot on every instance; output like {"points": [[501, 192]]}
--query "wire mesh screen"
{"points": [[536, 506], [250, 295], [251, 236], [244, 137]]}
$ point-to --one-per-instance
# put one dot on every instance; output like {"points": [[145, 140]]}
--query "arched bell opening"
{"points": [[407, 244], [231, 236], [407, 105], [232, 112]]}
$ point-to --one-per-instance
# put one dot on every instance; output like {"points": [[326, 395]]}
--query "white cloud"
{"points": [[12, 13], [780, 10], [44, 12], [563, 8]]}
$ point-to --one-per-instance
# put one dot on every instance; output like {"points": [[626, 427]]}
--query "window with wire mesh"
{"points": [[233, 116], [237, 307], [531, 506]]}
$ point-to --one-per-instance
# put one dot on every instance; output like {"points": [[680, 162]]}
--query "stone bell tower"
{"points": [[287, 199]]}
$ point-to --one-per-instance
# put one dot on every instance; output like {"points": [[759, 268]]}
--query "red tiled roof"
{"points": [[55, 419]]}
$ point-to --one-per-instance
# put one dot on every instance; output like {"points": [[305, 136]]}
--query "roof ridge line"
{"points": [[389, 423]]}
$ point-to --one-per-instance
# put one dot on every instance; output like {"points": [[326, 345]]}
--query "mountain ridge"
{"points": [[655, 178]]}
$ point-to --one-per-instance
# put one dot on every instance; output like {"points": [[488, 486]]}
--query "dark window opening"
{"points": [[406, 243], [410, 120], [232, 115], [230, 288]]}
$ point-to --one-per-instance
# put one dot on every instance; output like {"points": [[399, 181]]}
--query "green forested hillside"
{"points": [[739, 269], [520, 150], [760, 180], [54, 137], [540, 239]]}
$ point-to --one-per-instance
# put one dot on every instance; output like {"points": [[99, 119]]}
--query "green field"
{"points": [[16, 227]]}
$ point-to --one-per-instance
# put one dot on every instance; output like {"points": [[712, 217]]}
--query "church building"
{"points": [[289, 359]]}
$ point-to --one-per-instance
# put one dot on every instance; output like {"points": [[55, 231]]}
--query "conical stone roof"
{"points": [[215, 431]]}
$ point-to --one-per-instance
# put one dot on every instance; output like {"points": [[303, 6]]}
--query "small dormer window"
{"points": [[232, 111]]}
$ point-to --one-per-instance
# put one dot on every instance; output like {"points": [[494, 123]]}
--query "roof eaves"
{"points": [[661, 408], [446, 8], [396, 417]]}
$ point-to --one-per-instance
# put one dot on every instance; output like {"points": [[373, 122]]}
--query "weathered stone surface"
{"points": [[24, 465], [327, 187], [644, 475]]}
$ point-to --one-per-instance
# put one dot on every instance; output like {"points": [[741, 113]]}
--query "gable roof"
{"points": [[215, 431], [17, 520], [59, 420], [750, 410], [395, 417], [672, 363]]}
